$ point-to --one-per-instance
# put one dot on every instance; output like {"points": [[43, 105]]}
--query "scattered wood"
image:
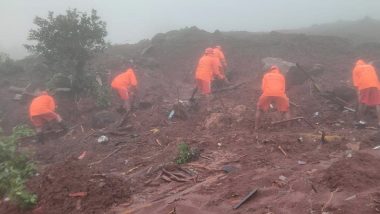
{"points": [[314, 83], [173, 211], [165, 178], [323, 137], [294, 104], [283, 151], [107, 156], [205, 157], [158, 142], [232, 87], [78, 194], [293, 119], [313, 188], [134, 168], [172, 176], [82, 155], [329, 201], [89, 134], [78, 204], [245, 199]]}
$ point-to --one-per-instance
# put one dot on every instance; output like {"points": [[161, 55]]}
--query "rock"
{"points": [[216, 120], [282, 178], [229, 168], [282, 64], [301, 162], [104, 118], [103, 139]]}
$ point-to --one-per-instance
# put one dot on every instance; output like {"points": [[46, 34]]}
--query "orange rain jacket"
{"points": [[219, 53], [41, 105], [124, 80], [208, 67], [364, 76], [273, 83]]}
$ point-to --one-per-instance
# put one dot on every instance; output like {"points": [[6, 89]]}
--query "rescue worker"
{"points": [[41, 111], [364, 78], [207, 69], [219, 53], [273, 87], [125, 84]]}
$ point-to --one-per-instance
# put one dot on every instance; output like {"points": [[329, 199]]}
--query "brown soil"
{"points": [[128, 180]]}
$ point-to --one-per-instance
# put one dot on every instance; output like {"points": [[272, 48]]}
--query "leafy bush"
{"points": [[103, 97], [184, 153], [15, 168]]}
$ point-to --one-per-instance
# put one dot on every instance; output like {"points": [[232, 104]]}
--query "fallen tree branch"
{"points": [[107, 156], [329, 201], [293, 119], [245, 199], [232, 87], [172, 176], [283, 151]]}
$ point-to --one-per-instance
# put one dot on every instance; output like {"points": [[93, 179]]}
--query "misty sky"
{"points": [[129, 21]]}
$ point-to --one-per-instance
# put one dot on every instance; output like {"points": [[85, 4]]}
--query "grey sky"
{"points": [[128, 21]]}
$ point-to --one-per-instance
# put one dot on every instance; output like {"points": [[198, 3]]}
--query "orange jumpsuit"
{"points": [[122, 82], [208, 67], [219, 53], [42, 110], [364, 78], [273, 86]]}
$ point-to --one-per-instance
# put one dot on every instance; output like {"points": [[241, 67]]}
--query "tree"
{"points": [[8, 66], [67, 42]]}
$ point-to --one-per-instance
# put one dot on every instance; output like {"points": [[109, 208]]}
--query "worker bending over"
{"points": [[206, 71], [273, 87], [42, 111], [364, 78], [125, 84]]}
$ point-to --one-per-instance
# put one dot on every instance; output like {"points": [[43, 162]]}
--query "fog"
{"points": [[130, 21]]}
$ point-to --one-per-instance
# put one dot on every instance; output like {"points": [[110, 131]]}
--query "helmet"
{"points": [[209, 51], [274, 67], [360, 62]]}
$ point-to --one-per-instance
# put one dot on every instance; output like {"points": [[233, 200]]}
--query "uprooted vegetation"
{"points": [[15, 169]]}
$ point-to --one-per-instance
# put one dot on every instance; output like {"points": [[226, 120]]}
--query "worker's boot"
{"points": [[40, 138]]}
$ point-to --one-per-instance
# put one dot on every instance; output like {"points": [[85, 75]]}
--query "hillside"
{"points": [[294, 169], [366, 30]]}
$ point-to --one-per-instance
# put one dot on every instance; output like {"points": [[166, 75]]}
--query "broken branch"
{"points": [[283, 151], [107, 156], [245, 199]]}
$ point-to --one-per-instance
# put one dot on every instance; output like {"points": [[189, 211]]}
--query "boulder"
{"points": [[104, 118]]}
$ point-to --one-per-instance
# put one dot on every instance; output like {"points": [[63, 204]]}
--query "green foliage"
{"points": [[102, 95], [184, 154], [15, 168], [68, 41], [8, 65]]}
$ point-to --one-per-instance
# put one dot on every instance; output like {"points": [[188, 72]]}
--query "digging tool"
{"points": [[245, 199], [195, 90], [293, 119], [232, 87]]}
